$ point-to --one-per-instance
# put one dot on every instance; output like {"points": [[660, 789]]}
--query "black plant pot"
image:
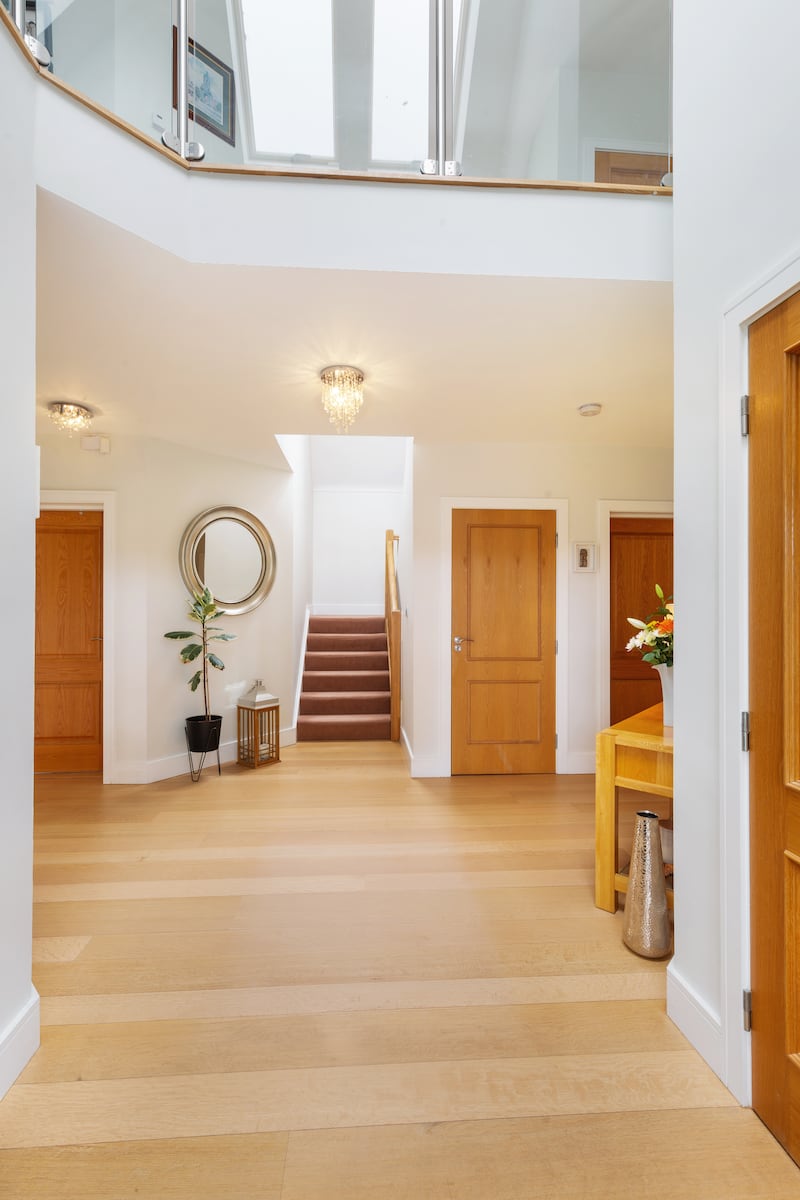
{"points": [[202, 737], [203, 733]]}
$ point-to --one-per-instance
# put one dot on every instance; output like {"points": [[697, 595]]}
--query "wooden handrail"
{"points": [[393, 625]]}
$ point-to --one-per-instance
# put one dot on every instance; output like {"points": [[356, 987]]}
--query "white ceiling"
{"points": [[225, 357]]}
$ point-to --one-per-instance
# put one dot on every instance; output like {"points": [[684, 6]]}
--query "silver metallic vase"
{"points": [[646, 925]]}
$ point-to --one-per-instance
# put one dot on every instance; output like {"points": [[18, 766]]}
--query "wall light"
{"points": [[341, 395], [70, 417], [590, 410]]}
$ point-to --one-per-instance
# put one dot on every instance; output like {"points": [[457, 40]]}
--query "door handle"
{"points": [[457, 641]]}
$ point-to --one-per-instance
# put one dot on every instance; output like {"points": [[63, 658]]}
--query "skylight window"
{"points": [[289, 50], [400, 81]]}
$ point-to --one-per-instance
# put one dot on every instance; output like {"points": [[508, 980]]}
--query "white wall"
{"points": [[736, 222], [358, 495], [297, 450], [580, 475], [405, 587], [19, 1010], [159, 488], [288, 222], [350, 547]]}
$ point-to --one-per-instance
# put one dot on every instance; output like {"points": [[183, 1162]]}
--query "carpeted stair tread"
{"points": [[342, 703], [346, 641], [346, 681], [329, 660], [346, 625], [361, 727]]}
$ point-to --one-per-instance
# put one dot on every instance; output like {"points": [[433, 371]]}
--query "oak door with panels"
{"points": [[503, 648], [774, 547], [68, 698], [640, 557]]}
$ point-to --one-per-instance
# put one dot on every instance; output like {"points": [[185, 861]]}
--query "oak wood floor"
{"points": [[324, 980]]}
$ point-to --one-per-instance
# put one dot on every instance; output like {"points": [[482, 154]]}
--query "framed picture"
{"points": [[211, 88], [584, 556]]}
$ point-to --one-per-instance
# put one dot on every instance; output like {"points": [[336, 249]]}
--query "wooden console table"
{"points": [[636, 754]]}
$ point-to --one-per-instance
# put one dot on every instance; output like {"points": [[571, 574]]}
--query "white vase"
{"points": [[665, 675]]}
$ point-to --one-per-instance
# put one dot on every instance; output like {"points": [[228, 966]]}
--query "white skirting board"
{"points": [[696, 1021], [19, 1041], [178, 764]]}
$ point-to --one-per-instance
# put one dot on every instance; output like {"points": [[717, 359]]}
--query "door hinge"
{"points": [[745, 731], [556, 741], [556, 541], [556, 645], [745, 414], [747, 1009]]}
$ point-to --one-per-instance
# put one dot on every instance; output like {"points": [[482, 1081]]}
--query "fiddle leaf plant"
{"points": [[203, 609]]}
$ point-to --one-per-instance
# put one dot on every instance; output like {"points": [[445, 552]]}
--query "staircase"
{"points": [[345, 694]]}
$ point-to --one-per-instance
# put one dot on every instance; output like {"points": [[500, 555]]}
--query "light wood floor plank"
{"points": [[190, 1047], [53, 1114], [350, 997], [266, 885], [330, 981], [212, 1168], [715, 1154]]}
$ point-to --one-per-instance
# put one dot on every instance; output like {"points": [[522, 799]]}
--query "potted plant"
{"points": [[203, 731]]}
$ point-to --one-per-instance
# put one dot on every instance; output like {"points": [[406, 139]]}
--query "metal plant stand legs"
{"points": [[195, 771]]}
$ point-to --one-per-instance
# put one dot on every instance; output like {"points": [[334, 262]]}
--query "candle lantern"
{"points": [[259, 725]]}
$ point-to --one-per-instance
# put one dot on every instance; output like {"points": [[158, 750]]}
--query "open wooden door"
{"points": [[775, 719], [68, 698], [504, 642], [640, 557]]}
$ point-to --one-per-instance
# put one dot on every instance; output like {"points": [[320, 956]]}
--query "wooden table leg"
{"points": [[606, 822]]}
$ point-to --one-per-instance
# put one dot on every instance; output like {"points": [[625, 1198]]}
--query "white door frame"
{"points": [[561, 509], [104, 502], [606, 509]]}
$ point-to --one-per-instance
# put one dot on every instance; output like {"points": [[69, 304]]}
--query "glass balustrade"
{"points": [[575, 90], [562, 90], [119, 55]]}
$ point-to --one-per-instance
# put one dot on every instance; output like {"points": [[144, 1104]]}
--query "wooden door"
{"points": [[774, 470], [640, 557], [629, 166], [68, 706], [504, 610]]}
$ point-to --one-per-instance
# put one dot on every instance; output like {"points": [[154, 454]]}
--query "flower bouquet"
{"points": [[654, 638]]}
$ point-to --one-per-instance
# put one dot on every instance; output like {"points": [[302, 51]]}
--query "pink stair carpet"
{"points": [[345, 696]]}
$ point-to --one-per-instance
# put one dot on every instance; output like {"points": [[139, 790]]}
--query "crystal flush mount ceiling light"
{"points": [[72, 418], [341, 395], [590, 410]]}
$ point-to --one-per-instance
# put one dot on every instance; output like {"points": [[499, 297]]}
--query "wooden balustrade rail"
{"points": [[392, 606]]}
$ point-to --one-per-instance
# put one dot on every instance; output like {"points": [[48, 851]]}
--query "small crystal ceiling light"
{"points": [[341, 395], [70, 417], [590, 410]]}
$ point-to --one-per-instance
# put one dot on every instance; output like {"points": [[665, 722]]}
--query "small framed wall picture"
{"points": [[584, 556], [211, 90]]}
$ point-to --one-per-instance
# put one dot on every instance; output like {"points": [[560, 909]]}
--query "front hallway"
{"points": [[324, 980]]}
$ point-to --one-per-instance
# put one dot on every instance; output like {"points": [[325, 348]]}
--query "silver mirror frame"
{"points": [[197, 528]]}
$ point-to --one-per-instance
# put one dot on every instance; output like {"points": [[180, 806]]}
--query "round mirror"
{"points": [[230, 552]]}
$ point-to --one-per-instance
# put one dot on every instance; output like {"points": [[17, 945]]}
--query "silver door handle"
{"points": [[457, 642]]}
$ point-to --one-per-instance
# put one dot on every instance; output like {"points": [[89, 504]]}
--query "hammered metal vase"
{"points": [[646, 926]]}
